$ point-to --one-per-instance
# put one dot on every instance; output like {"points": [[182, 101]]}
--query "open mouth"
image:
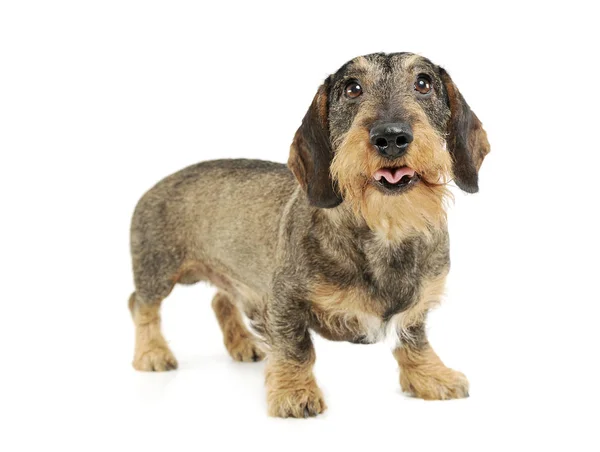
{"points": [[395, 180]]}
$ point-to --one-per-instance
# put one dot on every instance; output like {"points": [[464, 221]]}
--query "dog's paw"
{"points": [[296, 402], [245, 349], [158, 359], [443, 384]]}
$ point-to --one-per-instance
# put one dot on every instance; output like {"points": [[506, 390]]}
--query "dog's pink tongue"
{"points": [[393, 175]]}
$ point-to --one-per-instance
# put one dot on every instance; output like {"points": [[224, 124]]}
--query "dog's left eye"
{"points": [[423, 84]]}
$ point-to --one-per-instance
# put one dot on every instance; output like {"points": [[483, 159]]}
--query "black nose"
{"points": [[391, 139]]}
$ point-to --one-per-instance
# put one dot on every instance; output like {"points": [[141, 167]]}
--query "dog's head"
{"points": [[385, 133]]}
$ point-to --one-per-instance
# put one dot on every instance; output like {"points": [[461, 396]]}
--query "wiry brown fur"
{"points": [[321, 247]]}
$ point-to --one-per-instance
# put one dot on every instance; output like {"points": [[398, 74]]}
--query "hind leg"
{"points": [[151, 350], [240, 343]]}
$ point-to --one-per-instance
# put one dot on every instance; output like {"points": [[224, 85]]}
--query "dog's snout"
{"points": [[391, 139]]}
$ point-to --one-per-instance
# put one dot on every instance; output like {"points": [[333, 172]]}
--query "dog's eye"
{"points": [[353, 89], [423, 84]]}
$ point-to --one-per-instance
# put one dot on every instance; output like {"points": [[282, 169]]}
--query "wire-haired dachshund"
{"points": [[348, 240]]}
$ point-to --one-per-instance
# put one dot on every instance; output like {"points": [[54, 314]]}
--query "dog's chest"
{"points": [[365, 301], [361, 314]]}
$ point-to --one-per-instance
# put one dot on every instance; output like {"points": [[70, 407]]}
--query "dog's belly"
{"points": [[248, 299]]}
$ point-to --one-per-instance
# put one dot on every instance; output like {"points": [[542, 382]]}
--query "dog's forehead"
{"points": [[378, 65]]}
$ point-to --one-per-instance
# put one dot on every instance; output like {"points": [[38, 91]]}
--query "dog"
{"points": [[349, 240]]}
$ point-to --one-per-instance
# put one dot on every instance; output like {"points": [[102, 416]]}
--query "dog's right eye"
{"points": [[353, 89]]}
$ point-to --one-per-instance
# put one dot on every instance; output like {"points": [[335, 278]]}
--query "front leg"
{"points": [[292, 390], [422, 372]]}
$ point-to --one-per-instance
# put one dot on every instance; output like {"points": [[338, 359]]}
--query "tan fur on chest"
{"points": [[352, 314]]}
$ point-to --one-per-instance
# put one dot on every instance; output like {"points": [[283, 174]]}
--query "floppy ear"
{"points": [[467, 141], [311, 153]]}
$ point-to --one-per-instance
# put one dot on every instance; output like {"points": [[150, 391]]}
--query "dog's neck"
{"points": [[347, 222]]}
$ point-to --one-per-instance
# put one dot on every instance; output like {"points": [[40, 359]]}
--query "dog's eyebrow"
{"points": [[350, 72], [360, 74], [361, 63], [412, 61], [356, 68], [418, 63]]}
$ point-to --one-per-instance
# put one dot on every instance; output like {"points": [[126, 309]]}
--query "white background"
{"points": [[99, 100]]}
